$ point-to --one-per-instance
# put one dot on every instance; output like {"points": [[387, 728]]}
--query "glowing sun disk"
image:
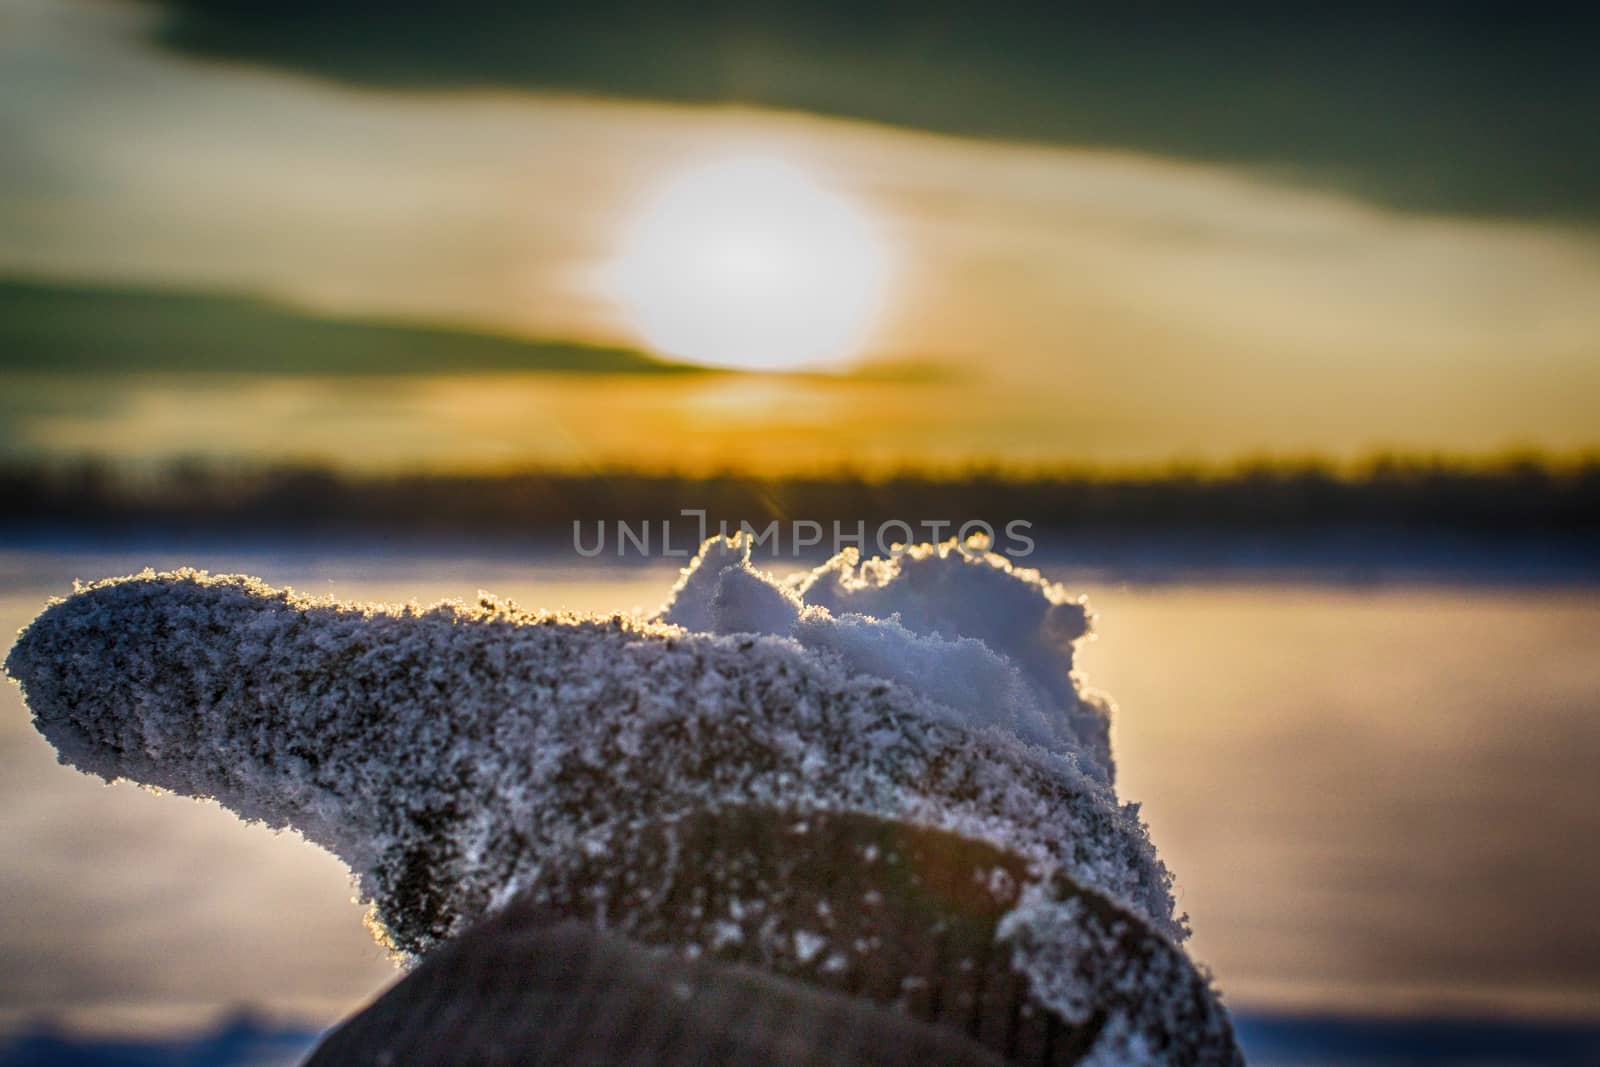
{"points": [[750, 263]]}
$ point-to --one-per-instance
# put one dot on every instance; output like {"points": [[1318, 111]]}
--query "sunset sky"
{"points": [[1075, 240]]}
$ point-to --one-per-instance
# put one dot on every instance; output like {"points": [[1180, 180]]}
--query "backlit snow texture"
{"points": [[450, 754]]}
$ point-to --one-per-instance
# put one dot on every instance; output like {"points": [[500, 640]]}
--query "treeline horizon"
{"points": [[1512, 494]]}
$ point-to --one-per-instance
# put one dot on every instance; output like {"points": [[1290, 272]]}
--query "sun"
{"points": [[750, 263]]}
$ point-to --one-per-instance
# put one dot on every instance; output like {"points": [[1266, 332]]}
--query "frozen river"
{"points": [[1376, 798]]}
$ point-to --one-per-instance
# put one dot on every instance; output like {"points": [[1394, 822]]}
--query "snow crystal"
{"points": [[807, 945], [724, 934]]}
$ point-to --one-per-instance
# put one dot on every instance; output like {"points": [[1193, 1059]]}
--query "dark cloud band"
{"points": [[1463, 108]]}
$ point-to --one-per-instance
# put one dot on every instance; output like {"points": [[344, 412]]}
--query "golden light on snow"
{"points": [[750, 263]]}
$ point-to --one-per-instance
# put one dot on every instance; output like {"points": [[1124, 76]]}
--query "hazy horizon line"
{"points": [[1368, 465]]}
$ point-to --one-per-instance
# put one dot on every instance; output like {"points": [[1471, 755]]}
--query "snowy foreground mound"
{"points": [[714, 780]]}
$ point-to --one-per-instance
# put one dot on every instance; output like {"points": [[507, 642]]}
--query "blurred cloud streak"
{"points": [[1476, 106]]}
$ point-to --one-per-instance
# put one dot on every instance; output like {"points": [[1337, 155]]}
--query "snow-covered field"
{"points": [[1376, 798]]}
